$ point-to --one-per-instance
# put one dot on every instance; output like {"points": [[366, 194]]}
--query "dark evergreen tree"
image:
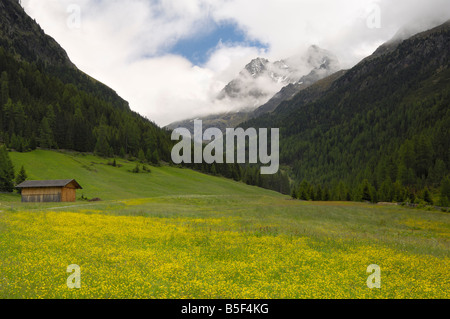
{"points": [[342, 191], [4, 89], [294, 193], [427, 196], [303, 192], [46, 139], [6, 171], [137, 169], [141, 156], [155, 157], [445, 193], [21, 177], [319, 194], [423, 151], [326, 194], [102, 147], [122, 153], [366, 192], [386, 191]]}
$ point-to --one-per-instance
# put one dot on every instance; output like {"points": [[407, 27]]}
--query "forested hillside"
{"points": [[380, 132], [46, 102]]}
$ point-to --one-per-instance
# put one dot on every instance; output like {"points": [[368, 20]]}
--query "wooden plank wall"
{"points": [[41, 195], [42, 191], [51, 194], [68, 195]]}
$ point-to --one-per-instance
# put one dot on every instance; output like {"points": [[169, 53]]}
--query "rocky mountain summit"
{"points": [[262, 85]]}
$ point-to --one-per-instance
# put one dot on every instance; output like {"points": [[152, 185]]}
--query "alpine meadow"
{"points": [[357, 207]]}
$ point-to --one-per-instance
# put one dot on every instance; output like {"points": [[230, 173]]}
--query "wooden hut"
{"points": [[49, 191]]}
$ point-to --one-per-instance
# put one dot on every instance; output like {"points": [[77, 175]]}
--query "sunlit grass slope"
{"points": [[107, 182], [175, 233]]}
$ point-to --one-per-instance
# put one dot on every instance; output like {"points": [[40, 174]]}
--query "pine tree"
{"points": [[148, 155], [4, 89], [294, 193], [141, 156], [46, 139], [102, 147], [399, 192], [33, 142], [386, 191], [366, 191], [348, 196], [319, 194], [437, 172], [342, 191], [423, 151], [80, 132], [303, 191], [311, 193], [21, 177], [237, 172], [155, 157], [51, 117], [137, 169], [445, 193], [427, 196], [285, 184], [6, 171], [326, 194], [122, 153], [213, 169]]}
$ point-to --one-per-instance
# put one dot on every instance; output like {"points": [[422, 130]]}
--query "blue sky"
{"points": [[198, 48]]}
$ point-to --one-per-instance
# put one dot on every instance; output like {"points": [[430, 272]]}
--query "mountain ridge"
{"points": [[383, 123], [25, 38], [245, 90]]}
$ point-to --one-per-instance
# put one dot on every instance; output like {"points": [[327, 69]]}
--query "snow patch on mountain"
{"points": [[261, 79]]}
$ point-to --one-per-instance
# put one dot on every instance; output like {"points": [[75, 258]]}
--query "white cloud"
{"points": [[170, 82], [124, 43]]}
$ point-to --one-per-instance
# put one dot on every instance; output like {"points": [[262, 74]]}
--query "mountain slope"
{"points": [[292, 89], [385, 120], [46, 102], [26, 40]]}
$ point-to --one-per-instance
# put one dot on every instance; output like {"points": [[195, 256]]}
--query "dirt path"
{"points": [[54, 208], [62, 207]]}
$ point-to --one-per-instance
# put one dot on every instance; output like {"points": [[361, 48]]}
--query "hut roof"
{"points": [[46, 184]]}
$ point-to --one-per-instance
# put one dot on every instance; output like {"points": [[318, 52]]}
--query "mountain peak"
{"points": [[261, 78], [262, 85], [256, 67]]}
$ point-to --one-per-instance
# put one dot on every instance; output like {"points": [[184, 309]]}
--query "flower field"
{"points": [[224, 247]]}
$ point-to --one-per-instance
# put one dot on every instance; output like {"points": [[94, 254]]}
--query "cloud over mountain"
{"points": [[128, 44]]}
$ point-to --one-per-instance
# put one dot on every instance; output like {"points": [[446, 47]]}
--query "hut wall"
{"points": [[41, 195], [68, 194]]}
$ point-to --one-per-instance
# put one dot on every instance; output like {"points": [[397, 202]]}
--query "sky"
{"points": [[170, 58]]}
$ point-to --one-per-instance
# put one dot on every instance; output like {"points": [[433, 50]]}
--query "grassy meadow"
{"points": [[175, 233]]}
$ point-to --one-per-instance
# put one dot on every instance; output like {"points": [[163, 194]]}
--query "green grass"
{"points": [[107, 182], [176, 233]]}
